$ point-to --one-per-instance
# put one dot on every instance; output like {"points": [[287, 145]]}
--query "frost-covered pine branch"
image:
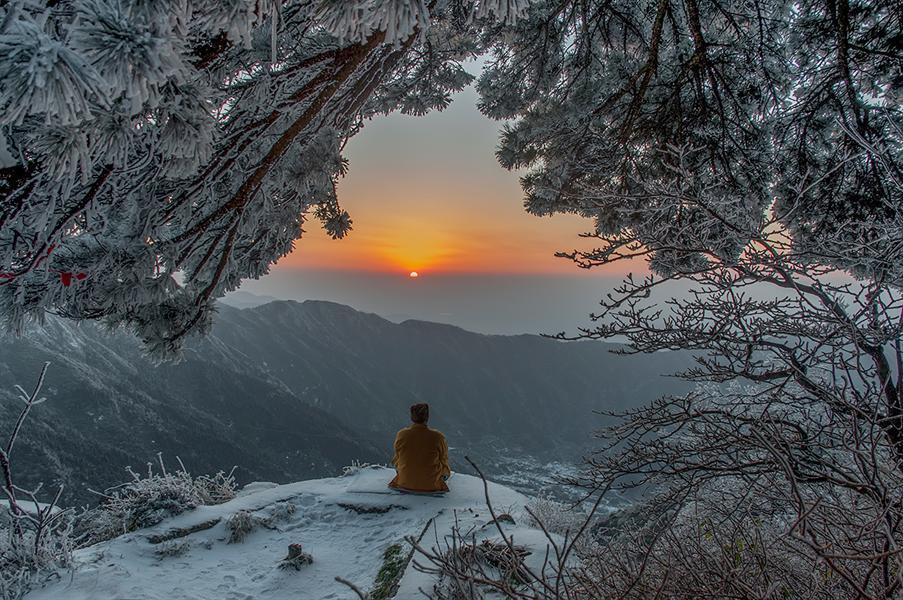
{"points": [[668, 119], [157, 153]]}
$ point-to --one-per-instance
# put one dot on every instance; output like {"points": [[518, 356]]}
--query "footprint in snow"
{"points": [[306, 500]]}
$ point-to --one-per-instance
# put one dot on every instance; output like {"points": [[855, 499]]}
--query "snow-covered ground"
{"points": [[341, 541]]}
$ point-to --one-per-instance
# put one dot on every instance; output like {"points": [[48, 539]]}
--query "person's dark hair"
{"points": [[420, 413]]}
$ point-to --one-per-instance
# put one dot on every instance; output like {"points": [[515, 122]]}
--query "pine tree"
{"points": [[651, 117]]}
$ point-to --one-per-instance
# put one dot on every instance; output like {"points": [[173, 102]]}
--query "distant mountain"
{"points": [[242, 299], [292, 390], [364, 369], [398, 318]]}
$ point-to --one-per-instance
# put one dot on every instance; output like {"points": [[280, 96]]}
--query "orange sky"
{"points": [[426, 194]]}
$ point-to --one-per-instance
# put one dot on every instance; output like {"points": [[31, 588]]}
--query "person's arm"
{"points": [[397, 447], [444, 469]]}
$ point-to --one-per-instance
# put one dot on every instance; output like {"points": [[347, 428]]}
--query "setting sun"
{"points": [[414, 275]]}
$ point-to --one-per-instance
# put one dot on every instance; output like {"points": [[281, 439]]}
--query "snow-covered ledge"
{"points": [[344, 523]]}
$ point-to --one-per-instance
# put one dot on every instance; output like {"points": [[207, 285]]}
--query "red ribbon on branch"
{"points": [[65, 276]]}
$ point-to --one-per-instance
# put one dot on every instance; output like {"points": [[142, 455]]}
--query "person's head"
{"points": [[420, 413]]}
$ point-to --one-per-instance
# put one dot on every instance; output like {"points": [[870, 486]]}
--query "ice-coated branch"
{"points": [[29, 400]]}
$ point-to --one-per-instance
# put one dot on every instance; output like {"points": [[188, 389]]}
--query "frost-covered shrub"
{"points": [[559, 518], [281, 511], [172, 549], [96, 525], [215, 489], [357, 466], [737, 547], [147, 500], [555, 516], [240, 525], [467, 569], [40, 548]]}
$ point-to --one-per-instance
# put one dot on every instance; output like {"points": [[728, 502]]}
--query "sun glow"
{"points": [[415, 211], [416, 242], [414, 275]]}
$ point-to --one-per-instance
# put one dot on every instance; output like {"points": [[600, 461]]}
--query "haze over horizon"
{"points": [[483, 303]]}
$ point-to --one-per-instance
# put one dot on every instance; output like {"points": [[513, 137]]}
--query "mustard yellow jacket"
{"points": [[421, 459]]}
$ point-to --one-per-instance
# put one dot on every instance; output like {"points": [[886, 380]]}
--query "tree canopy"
{"points": [[157, 153]]}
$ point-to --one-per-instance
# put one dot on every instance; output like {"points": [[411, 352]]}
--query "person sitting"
{"points": [[421, 455]]}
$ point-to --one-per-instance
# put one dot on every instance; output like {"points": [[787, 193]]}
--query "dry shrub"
{"points": [[147, 500]]}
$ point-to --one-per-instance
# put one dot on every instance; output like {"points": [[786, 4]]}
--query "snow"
{"points": [[28, 506], [342, 542]]}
